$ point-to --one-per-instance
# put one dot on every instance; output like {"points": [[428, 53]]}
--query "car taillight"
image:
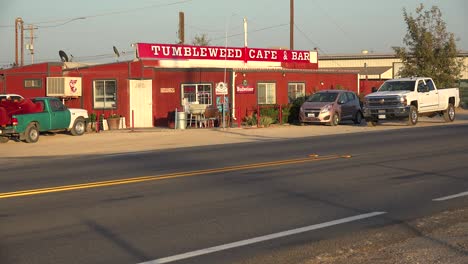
{"points": [[14, 121]]}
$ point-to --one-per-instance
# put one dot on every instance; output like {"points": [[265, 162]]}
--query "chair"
{"points": [[210, 116]]}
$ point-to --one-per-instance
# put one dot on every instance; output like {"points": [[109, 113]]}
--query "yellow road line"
{"points": [[166, 176]]}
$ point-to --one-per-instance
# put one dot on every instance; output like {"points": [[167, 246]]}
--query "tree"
{"points": [[432, 51], [201, 40]]}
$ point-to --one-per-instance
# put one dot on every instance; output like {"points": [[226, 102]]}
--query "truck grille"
{"points": [[393, 101]]}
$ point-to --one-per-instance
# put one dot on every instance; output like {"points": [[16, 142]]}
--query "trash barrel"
{"points": [[181, 120]]}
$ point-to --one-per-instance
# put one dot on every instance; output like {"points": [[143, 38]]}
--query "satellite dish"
{"points": [[63, 56], [116, 51]]}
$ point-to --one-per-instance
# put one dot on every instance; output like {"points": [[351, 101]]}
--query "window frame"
{"points": [[268, 85], [106, 106], [32, 81], [296, 84], [201, 95]]}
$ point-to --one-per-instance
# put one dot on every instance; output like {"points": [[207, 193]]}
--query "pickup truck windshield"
{"points": [[397, 86]]}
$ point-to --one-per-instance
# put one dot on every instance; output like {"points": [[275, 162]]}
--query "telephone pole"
{"points": [[181, 28], [30, 46], [19, 41]]}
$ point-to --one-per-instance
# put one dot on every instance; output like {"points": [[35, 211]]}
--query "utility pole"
{"points": [[30, 46], [19, 41], [291, 26], [181, 28]]}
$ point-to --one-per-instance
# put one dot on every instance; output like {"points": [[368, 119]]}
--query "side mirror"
{"points": [[374, 89]]}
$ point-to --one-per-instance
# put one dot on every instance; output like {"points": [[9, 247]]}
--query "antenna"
{"points": [[116, 51], [63, 56]]}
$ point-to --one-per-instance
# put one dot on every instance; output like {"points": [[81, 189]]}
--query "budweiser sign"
{"points": [[244, 90], [186, 52]]}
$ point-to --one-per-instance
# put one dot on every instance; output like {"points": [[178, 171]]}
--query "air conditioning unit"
{"points": [[64, 86]]}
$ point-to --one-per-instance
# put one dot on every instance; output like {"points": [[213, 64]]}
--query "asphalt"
{"points": [[147, 139]]}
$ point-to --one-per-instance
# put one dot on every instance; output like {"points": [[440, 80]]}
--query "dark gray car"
{"points": [[330, 107]]}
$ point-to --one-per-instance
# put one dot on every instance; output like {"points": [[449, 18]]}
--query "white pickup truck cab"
{"points": [[409, 98]]}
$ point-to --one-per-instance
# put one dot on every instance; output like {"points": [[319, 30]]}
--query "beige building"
{"points": [[380, 67]]}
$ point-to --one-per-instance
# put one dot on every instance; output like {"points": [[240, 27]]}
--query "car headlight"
{"points": [[326, 108], [301, 109]]}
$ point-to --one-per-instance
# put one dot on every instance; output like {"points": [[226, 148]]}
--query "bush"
{"points": [[294, 109], [250, 120], [270, 111], [265, 121]]}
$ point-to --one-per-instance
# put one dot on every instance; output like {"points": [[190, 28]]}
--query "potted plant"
{"points": [[91, 125], [113, 121]]}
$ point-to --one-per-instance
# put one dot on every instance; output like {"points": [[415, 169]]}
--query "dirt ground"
{"points": [[441, 238]]}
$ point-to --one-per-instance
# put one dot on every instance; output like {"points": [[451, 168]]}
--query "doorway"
{"points": [[141, 102]]}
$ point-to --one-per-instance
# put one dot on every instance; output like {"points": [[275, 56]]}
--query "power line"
{"points": [[67, 20]]}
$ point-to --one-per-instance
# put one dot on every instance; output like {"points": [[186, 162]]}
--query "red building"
{"points": [[157, 81]]}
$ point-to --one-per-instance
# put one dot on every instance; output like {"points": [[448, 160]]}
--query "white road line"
{"points": [[261, 238], [450, 197]]}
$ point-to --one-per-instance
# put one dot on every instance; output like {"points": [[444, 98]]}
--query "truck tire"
{"points": [[4, 139], [449, 114], [31, 134], [335, 119], [79, 127], [413, 116]]}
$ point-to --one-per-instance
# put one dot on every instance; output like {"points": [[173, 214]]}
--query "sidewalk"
{"points": [[122, 141]]}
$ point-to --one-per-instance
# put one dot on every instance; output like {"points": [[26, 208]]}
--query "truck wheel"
{"points": [[335, 119], [413, 116], [31, 134], [358, 119], [449, 114], [4, 139], [79, 127]]}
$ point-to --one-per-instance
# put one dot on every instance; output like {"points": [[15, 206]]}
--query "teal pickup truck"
{"points": [[41, 114]]}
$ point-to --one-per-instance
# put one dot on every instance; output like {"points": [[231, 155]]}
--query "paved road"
{"points": [[134, 219]]}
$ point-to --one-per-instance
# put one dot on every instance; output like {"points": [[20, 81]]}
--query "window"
{"points": [[421, 87], [295, 90], [32, 83], [105, 94], [201, 93], [351, 96], [430, 84], [343, 99], [56, 106], [266, 93]]}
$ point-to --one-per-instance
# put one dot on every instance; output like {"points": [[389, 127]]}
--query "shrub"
{"points": [[294, 109], [250, 120], [265, 121], [270, 111]]}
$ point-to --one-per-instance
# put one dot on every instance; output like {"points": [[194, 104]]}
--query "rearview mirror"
{"points": [[374, 89]]}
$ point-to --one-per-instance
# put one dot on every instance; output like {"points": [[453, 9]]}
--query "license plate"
{"points": [[382, 117], [310, 115]]}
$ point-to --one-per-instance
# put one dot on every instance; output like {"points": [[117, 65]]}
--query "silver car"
{"points": [[331, 107]]}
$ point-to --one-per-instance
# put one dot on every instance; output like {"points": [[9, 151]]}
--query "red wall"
{"points": [[366, 85], [164, 103], [312, 82], [13, 79]]}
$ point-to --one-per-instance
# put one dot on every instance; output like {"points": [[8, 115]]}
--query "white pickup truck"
{"points": [[409, 98]]}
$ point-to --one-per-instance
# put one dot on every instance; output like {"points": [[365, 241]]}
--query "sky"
{"points": [[87, 30]]}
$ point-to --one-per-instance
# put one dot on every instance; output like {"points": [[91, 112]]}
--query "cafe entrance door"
{"points": [[141, 102]]}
